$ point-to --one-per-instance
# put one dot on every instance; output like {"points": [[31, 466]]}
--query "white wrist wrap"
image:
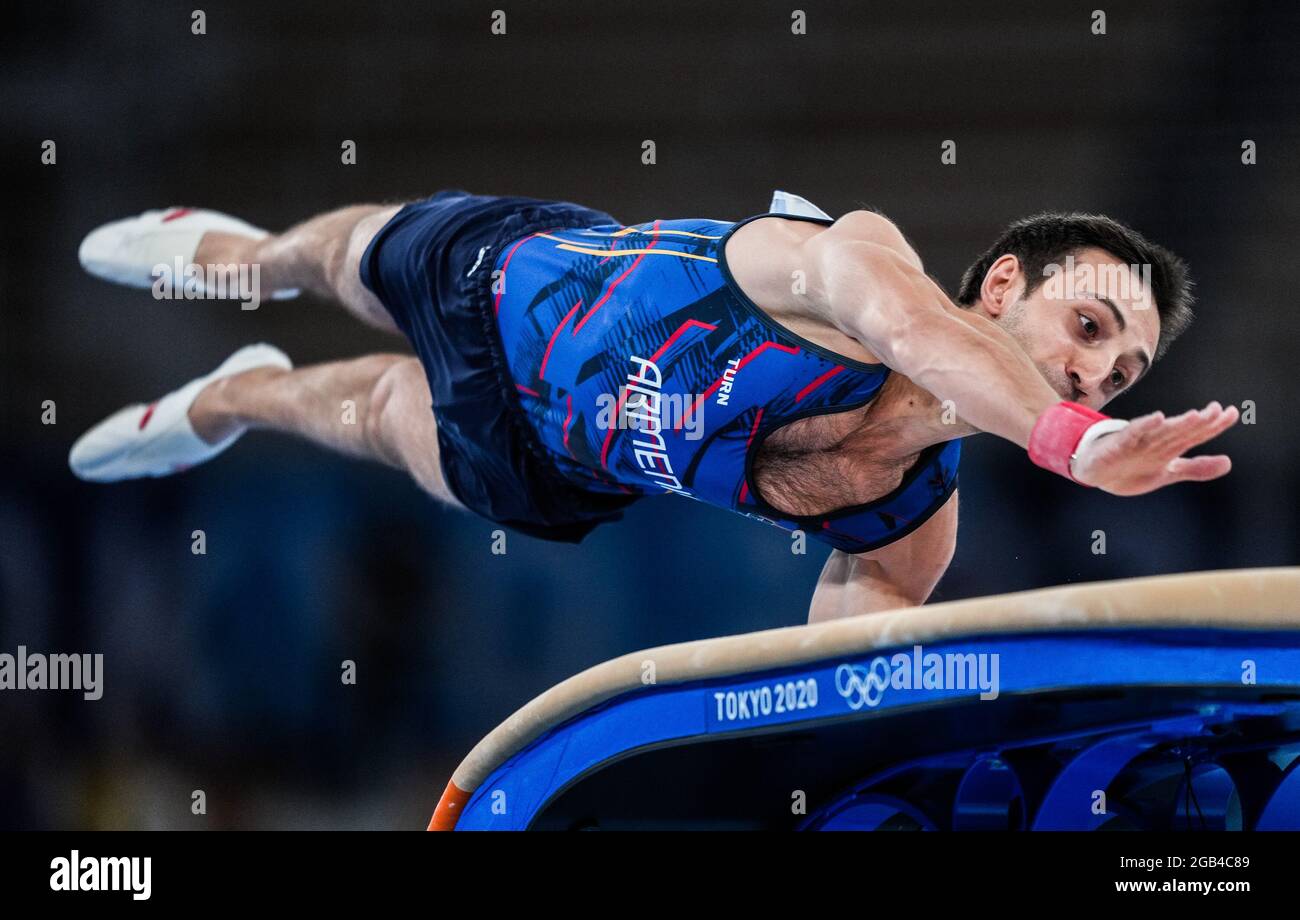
{"points": [[1096, 430]]}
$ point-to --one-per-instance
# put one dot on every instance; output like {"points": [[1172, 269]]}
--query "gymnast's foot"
{"points": [[169, 436], [128, 251]]}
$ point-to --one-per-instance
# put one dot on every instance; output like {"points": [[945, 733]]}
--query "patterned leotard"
{"points": [[645, 369]]}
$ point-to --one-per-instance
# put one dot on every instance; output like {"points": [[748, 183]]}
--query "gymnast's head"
{"points": [[1092, 301]]}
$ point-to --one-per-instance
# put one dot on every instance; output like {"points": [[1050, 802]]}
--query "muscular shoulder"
{"points": [[872, 227], [792, 269], [768, 256]]}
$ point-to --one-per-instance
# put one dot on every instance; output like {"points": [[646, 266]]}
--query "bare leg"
{"points": [[376, 408], [321, 255]]}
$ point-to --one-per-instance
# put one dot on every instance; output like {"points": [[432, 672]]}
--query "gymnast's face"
{"points": [[1090, 328]]}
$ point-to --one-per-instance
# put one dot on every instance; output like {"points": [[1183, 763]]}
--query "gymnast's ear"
{"points": [[1002, 284]]}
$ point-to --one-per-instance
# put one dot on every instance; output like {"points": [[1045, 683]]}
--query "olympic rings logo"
{"points": [[862, 686]]}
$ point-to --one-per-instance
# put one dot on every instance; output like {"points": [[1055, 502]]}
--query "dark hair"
{"points": [[1046, 239]]}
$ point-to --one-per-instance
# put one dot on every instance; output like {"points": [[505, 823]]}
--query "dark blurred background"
{"points": [[222, 670]]}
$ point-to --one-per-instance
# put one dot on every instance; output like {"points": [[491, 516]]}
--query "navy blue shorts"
{"points": [[431, 267]]}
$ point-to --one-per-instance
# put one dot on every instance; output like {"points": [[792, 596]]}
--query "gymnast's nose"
{"points": [[1086, 374]]}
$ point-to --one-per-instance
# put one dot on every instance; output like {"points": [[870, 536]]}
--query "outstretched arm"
{"points": [[901, 574], [873, 289]]}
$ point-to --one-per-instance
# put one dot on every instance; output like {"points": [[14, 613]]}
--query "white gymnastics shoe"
{"points": [[127, 251], [157, 439]]}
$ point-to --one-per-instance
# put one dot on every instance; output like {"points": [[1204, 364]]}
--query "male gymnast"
{"points": [[817, 378]]}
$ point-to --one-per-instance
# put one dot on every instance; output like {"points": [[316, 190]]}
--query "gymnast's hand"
{"points": [[1148, 453]]}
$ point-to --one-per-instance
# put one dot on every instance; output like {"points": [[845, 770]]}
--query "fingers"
{"points": [[1193, 427], [1144, 424], [1227, 418], [1141, 434], [1155, 433], [1209, 423], [1199, 469]]}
